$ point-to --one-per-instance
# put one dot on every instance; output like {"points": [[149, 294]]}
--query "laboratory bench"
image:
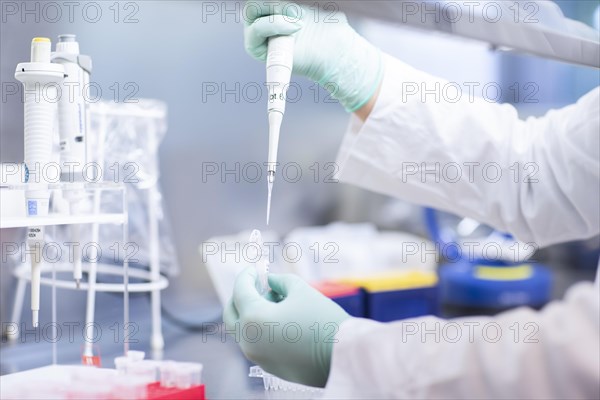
{"points": [[225, 372]]}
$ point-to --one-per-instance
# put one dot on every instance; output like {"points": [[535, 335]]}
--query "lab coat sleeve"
{"points": [[520, 354], [538, 178]]}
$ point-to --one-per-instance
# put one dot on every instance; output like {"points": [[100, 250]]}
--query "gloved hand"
{"points": [[290, 333], [327, 50]]}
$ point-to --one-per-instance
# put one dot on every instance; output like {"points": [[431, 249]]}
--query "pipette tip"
{"points": [[78, 283], [35, 318], [270, 189], [270, 180]]}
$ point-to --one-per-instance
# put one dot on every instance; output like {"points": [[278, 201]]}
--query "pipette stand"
{"points": [[23, 271], [152, 281]]}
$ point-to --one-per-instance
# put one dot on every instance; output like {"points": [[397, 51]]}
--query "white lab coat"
{"points": [[553, 353]]}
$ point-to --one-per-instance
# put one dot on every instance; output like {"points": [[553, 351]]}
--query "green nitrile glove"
{"points": [[290, 333], [327, 49]]}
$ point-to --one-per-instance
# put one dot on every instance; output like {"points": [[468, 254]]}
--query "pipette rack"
{"points": [[98, 216]]}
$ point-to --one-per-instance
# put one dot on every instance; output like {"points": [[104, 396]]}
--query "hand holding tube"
{"points": [[297, 326]]}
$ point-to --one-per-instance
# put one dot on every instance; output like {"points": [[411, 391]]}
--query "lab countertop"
{"points": [[225, 373]]}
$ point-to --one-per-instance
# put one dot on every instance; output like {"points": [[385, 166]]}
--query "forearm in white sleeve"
{"points": [[538, 178], [519, 354]]}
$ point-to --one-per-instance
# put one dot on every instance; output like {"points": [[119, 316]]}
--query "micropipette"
{"points": [[72, 124], [40, 79], [280, 59], [72, 106]]}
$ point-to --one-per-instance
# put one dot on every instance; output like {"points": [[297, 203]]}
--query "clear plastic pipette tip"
{"points": [[270, 179], [78, 283]]}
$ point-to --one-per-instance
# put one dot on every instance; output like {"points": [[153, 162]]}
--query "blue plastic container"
{"points": [[463, 284], [400, 304], [350, 298], [353, 304]]}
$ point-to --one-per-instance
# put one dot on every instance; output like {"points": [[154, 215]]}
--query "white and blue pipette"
{"points": [[40, 78], [280, 59]]}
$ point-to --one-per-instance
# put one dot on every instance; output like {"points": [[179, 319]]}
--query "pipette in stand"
{"points": [[73, 124], [280, 59], [40, 78]]}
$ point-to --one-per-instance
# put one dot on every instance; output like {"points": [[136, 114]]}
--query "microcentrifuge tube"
{"points": [[261, 262]]}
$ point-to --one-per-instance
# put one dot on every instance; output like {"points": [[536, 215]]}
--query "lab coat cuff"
{"points": [[345, 365], [361, 135]]}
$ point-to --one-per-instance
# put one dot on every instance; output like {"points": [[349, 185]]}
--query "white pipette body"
{"points": [[280, 60], [40, 79], [73, 127], [72, 106]]}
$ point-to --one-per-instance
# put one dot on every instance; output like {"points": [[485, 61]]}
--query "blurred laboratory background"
{"points": [[196, 63]]}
